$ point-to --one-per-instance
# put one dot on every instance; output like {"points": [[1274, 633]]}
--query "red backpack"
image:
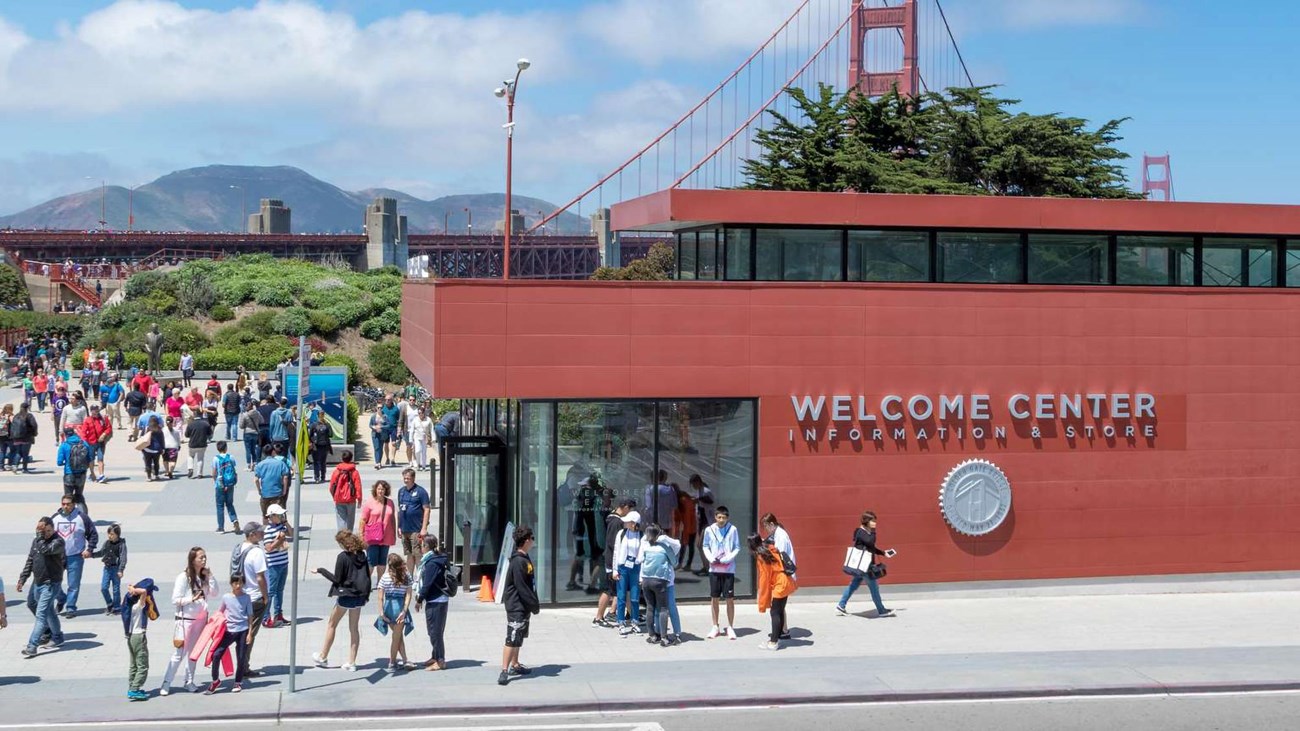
{"points": [[348, 490]]}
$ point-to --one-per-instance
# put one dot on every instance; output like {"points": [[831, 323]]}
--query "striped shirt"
{"points": [[393, 590], [279, 557]]}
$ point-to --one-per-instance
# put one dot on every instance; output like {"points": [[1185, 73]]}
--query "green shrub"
{"points": [[389, 297], [354, 417], [261, 323], [158, 303], [323, 323], [195, 295], [262, 355], [351, 312], [142, 283], [293, 321], [42, 322], [178, 335], [273, 295], [222, 312], [385, 359], [346, 361], [389, 322], [235, 291], [13, 288]]}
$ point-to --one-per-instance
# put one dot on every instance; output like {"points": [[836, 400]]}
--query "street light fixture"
{"points": [[103, 202], [243, 210], [130, 206], [507, 91]]}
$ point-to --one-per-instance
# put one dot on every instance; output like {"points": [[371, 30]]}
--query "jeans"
{"points": [[110, 580], [275, 578], [232, 426], [346, 515], [377, 445], [673, 616], [238, 638], [656, 593], [252, 448], [871, 585], [69, 598], [629, 594], [40, 400], [435, 619], [46, 618], [20, 454], [225, 498]]}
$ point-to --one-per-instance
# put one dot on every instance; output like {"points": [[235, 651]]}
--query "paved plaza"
{"points": [[962, 641]]}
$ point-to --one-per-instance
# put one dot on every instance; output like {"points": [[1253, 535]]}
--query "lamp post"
{"points": [[243, 210], [446, 220], [469, 222], [130, 206], [103, 202], [507, 91]]}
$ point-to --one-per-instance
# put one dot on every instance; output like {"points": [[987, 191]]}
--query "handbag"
{"points": [[856, 562], [877, 570], [178, 634], [374, 532]]}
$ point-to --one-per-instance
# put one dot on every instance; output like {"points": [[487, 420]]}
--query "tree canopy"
{"points": [[965, 141]]}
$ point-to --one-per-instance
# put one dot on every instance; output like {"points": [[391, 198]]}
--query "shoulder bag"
{"points": [[374, 532]]}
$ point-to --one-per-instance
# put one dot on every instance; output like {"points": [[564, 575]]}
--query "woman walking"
{"points": [[6, 420], [193, 588], [434, 599], [378, 438], [774, 587], [350, 586], [864, 538], [395, 590], [379, 526], [171, 445], [153, 449]]}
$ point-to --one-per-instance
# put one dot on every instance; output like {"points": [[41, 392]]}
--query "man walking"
{"points": [[520, 599], [22, 432], [249, 559], [272, 477], [111, 395], [279, 431], [230, 406], [45, 561], [412, 518], [197, 433], [74, 456], [251, 425], [79, 541], [135, 402]]}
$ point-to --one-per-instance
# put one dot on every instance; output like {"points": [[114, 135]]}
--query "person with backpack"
{"points": [[779, 539], [279, 422], [350, 586], [74, 457], [248, 562], [22, 432], [230, 406], [775, 585], [320, 436], [197, 434], [96, 430], [437, 587], [225, 475], [345, 488]]}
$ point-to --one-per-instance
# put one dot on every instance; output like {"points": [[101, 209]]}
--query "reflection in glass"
{"points": [[686, 256], [1155, 260], [1238, 262], [737, 244], [533, 505], [889, 256], [1068, 259], [979, 257], [706, 256]]}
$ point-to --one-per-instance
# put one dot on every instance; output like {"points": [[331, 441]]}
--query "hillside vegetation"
{"points": [[265, 305]]}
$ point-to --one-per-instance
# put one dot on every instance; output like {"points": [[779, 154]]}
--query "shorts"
{"points": [[385, 436], [722, 586], [169, 455], [377, 555], [97, 452], [411, 544], [516, 629], [351, 602]]}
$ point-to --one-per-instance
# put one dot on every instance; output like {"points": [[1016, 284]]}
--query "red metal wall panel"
{"points": [[1214, 491]]}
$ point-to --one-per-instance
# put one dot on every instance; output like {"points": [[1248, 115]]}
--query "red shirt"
{"points": [[143, 382]]}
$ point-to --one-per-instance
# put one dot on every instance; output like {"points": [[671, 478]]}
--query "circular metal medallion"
{"points": [[975, 497]]}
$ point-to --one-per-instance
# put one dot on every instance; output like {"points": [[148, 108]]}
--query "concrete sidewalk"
{"points": [[979, 640]]}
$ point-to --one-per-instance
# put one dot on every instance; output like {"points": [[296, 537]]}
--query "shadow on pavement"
{"points": [[746, 631], [19, 680], [542, 671], [456, 664], [79, 645]]}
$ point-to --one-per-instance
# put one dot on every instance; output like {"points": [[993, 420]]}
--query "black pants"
{"points": [[240, 640], [151, 464], [74, 486], [255, 623], [319, 456], [655, 592], [778, 619], [435, 620]]}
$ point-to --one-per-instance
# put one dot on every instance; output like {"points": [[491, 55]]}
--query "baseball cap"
{"points": [[275, 509], [632, 517], [251, 528]]}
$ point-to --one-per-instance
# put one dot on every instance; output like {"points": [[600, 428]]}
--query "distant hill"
{"points": [[202, 199]]}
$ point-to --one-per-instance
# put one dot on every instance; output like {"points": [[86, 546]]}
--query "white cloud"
{"points": [[668, 30], [1020, 15]]}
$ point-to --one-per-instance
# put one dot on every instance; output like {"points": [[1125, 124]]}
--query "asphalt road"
{"points": [[1264, 711]]}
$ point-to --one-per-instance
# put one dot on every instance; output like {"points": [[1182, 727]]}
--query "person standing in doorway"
{"points": [[721, 547], [660, 500], [864, 538], [519, 596]]}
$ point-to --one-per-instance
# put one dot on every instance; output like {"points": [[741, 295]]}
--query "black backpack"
{"points": [[450, 583], [78, 457]]}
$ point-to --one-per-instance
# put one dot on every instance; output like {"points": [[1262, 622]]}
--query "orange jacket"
{"points": [[773, 581]]}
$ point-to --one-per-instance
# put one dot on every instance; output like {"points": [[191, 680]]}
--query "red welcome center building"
{"points": [[1124, 365]]}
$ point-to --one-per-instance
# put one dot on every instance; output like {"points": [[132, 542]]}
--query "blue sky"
{"points": [[397, 93]]}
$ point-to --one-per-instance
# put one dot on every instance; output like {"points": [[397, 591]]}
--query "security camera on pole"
{"points": [[507, 91]]}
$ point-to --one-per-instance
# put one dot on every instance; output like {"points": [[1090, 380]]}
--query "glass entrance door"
{"points": [[472, 492]]}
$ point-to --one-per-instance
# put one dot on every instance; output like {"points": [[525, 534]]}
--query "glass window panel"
{"points": [[706, 256], [535, 491], [614, 440], [1154, 260], [889, 256], [1068, 259], [714, 440], [767, 258], [1238, 262], [979, 257], [686, 256], [808, 255], [1293, 263], [737, 246]]}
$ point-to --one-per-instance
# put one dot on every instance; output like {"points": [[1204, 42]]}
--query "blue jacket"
{"points": [[280, 419], [65, 450], [110, 393]]}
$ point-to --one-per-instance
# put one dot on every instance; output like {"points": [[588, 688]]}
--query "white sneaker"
{"points": [[731, 633], [769, 646], [713, 633], [321, 662], [349, 667], [164, 691], [190, 687]]}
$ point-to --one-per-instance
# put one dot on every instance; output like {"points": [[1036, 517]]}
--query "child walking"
{"points": [[114, 554], [238, 608], [137, 611], [395, 588]]}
